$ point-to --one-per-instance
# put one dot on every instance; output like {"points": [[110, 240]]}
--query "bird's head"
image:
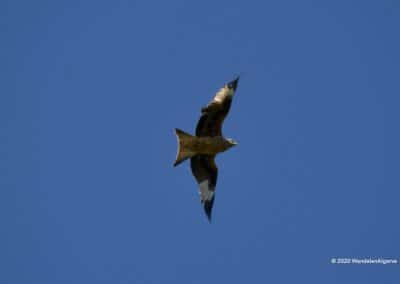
{"points": [[231, 142]]}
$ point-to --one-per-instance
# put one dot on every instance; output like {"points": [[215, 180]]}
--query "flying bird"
{"points": [[207, 143]]}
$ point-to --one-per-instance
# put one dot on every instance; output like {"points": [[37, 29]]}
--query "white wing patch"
{"points": [[223, 93], [206, 194]]}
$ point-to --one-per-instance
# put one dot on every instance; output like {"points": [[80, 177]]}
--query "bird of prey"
{"points": [[207, 143]]}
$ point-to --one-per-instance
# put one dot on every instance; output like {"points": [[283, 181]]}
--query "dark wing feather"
{"points": [[205, 171], [212, 117]]}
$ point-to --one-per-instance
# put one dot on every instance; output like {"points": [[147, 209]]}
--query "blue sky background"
{"points": [[91, 92]]}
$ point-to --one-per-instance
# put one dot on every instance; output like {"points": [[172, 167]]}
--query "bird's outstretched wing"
{"points": [[213, 115], [205, 171]]}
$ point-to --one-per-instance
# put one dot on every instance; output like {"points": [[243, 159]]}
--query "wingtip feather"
{"points": [[208, 205]]}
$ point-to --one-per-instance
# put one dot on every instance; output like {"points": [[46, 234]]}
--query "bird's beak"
{"points": [[234, 83]]}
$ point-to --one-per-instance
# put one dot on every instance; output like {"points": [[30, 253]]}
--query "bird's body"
{"points": [[208, 142], [209, 145], [193, 145]]}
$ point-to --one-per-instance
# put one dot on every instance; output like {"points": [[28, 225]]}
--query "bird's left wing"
{"points": [[205, 171]]}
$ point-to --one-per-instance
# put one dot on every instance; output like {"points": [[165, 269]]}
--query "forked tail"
{"points": [[183, 152]]}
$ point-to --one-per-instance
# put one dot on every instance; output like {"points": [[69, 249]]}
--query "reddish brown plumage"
{"points": [[207, 143]]}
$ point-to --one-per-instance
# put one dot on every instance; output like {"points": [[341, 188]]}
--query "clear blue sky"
{"points": [[91, 92]]}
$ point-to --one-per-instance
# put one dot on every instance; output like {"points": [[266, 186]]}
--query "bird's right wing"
{"points": [[213, 115]]}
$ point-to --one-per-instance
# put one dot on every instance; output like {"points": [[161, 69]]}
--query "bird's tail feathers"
{"points": [[183, 153]]}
